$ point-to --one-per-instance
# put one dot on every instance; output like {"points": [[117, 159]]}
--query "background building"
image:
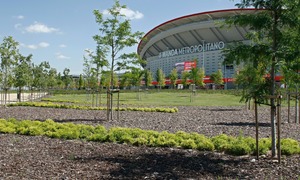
{"points": [[196, 38]]}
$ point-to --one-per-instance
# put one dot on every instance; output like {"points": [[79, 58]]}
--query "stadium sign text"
{"points": [[193, 49]]}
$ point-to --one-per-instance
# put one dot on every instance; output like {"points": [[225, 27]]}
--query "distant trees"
{"points": [[197, 76], [148, 78], [217, 78], [185, 75], [160, 78], [173, 77]]}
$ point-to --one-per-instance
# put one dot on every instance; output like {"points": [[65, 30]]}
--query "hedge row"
{"points": [[231, 145], [66, 106]]}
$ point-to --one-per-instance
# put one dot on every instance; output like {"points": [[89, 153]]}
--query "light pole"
{"points": [[203, 54]]}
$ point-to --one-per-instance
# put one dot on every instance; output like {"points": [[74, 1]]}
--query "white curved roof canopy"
{"points": [[190, 30]]}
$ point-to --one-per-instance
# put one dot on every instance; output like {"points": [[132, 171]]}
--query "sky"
{"points": [[59, 31]]}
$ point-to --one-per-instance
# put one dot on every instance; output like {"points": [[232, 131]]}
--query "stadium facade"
{"points": [[193, 40]]}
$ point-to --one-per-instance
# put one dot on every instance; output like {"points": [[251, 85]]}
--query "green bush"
{"points": [[202, 142], [289, 146], [66, 106], [188, 144], [7, 126], [222, 142], [135, 136], [166, 139], [264, 145]]}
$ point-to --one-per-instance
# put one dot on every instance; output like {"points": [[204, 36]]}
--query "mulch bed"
{"points": [[28, 157]]}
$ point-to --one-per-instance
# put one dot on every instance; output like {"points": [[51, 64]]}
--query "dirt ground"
{"points": [[27, 157]]}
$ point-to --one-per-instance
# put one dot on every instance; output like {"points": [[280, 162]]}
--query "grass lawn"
{"points": [[162, 98]]}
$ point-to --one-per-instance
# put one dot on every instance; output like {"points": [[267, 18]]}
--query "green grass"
{"points": [[162, 98]]}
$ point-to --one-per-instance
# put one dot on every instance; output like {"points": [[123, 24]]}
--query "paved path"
{"points": [[12, 97]]}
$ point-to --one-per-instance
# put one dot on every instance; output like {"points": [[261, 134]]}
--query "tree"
{"points": [[197, 76], [90, 73], [124, 80], [66, 78], [160, 78], [185, 77], [148, 78], [9, 54], [22, 73], [173, 77], [40, 75], [217, 77], [115, 35], [80, 82], [270, 28]]}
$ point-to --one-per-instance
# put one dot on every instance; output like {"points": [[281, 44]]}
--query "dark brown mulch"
{"points": [[26, 157]]}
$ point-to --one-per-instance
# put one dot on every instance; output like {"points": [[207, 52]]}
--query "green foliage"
{"points": [[264, 145], [239, 147], [7, 126], [173, 77], [289, 146], [160, 78], [222, 142], [217, 77], [100, 134], [135, 136], [65, 106]]}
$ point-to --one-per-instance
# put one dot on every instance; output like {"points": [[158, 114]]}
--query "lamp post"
{"points": [[203, 54]]}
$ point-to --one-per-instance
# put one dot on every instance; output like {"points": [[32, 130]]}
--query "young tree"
{"points": [[270, 28], [173, 77], [115, 35], [197, 76], [148, 78], [184, 78], [217, 78], [124, 80], [22, 74], [9, 54], [160, 78], [66, 78], [52, 78], [80, 82]]}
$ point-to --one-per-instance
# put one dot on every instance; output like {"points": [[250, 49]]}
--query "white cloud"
{"points": [[131, 14], [43, 44], [20, 17], [35, 46], [62, 45], [61, 56], [31, 46], [18, 26], [40, 28], [128, 13]]}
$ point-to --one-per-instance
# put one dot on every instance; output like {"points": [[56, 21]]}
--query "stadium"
{"points": [[195, 40]]}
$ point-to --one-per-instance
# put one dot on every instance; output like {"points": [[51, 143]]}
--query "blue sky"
{"points": [[59, 31]]}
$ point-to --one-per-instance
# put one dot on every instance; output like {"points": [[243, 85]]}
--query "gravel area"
{"points": [[26, 157]]}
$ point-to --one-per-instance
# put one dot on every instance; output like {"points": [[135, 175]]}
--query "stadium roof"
{"points": [[191, 30]]}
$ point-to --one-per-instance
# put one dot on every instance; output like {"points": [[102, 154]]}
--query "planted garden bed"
{"points": [[39, 157]]}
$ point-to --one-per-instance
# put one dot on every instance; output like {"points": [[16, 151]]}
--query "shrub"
{"points": [[85, 131], [264, 145], [202, 142], [7, 126], [241, 146], [100, 134], [120, 135], [188, 144], [166, 139], [289, 146], [222, 142]]}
